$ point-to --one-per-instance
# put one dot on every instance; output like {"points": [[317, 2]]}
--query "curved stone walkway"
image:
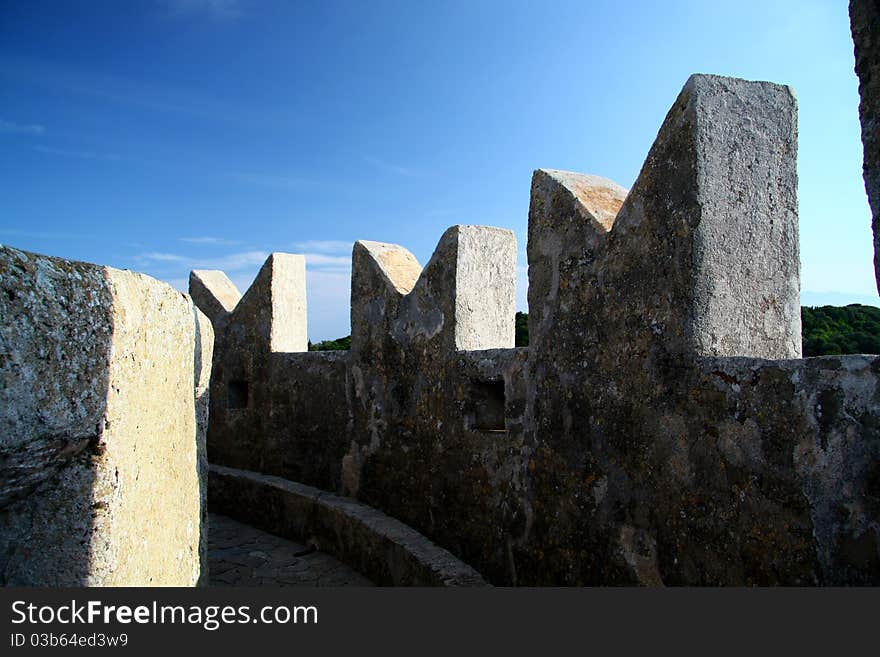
{"points": [[240, 555]]}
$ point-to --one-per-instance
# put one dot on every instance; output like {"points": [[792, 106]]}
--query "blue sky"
{"points": [[166, 135]]}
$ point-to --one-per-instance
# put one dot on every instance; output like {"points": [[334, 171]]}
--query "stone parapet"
{"points": [[382, 548], [104, 397]]}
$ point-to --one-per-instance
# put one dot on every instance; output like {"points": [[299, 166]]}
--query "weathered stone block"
{"points": [[104, 385], [485, 288], [702, 256], [569, 217], [273, 310], [865, 23], [381, 275], [465, 298], [213, 293]]}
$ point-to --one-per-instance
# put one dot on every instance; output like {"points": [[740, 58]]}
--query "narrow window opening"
{"points": [[237, 394], [487, 398]]}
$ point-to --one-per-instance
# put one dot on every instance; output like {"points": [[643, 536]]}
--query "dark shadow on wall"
{"points": [[54, 355], [46, 537], [201, 378]]}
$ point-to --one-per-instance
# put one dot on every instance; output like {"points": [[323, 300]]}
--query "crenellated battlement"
{"points": [[272, 313], [660, 428], [464, 297]]}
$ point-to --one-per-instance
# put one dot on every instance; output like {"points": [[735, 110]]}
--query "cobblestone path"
{"points": [[240, 555]]}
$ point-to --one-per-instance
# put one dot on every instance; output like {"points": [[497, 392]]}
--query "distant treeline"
{"points": [[827, 330], [852, 329], [339, 344]]}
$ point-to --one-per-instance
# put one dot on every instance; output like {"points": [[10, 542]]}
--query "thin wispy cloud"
{"points": [[442, 212], [40, 235], [323, 246], [328, 282], [217, 9], [181, 284], [321, 259], [10, 127], [139, 93], [229, 262], [270, 180], [82, 155], [240, 260], [392, 168], [162, 257], [209, 241]]}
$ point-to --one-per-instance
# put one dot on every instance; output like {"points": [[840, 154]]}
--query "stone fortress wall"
{"points": [[660, 428]]}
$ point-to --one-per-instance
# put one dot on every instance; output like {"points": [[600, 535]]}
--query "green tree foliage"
{"points": [[852, 329], [339, 344], [522, 330], [827, 330]]}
